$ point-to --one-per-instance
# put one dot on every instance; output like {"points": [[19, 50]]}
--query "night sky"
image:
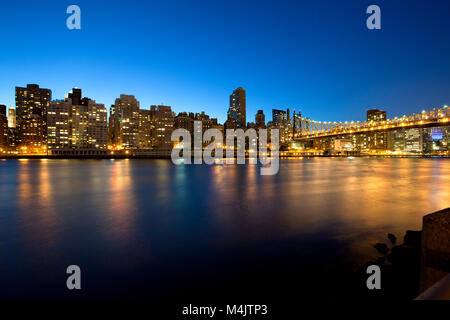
{"points": [[313, 56]]}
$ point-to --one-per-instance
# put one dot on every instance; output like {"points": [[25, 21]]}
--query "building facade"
{"points": [[114, 129], [237, 109], [281, 121], [32, 103], [3, 130], [377, 140], [58, 122], [124, 126], [413, 140], [376, 115], [260, 119], [145, 129], [12, 118], [185, 120], [163, 125], [77, 126], [278, 116]]}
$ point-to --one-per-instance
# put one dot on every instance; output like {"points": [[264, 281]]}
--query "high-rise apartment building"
{"points": [[114, 128], [207, 122], [145, 129], [12, 118], [32, 103], [89, 128], [278, 116], [13, 140], [360, 141], [125, 122], [281, 122], [75, 95], [376, 115], [58, 124], [434, 139], [237, 109], [231, 124], [186, 120], [377, 140], [398, 140], [163, 124], [260, 119], [413, 140], [447, 137], [3, 130], [77, 126]]}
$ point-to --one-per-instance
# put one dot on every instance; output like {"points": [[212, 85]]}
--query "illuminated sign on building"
{"points": [[437, 134]]}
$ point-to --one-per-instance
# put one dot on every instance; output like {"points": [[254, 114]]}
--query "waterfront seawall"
{"points": [[435, 263]]}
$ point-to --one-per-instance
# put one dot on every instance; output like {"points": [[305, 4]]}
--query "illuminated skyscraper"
{"points": [[75, 95], [114, 128], [398, 137], [12, 118], [237, 110], [163, 124], [281, 122], [145, 129], [185, 121], [125, 122], [89, 126], [360, 141], [413, 140], [260, 119], [278, 116], [77, 126], [13, 140], [3, 130], [376, 115], [377, 140], [32, 103], [58, 122], [447, 137], [433, 139]]}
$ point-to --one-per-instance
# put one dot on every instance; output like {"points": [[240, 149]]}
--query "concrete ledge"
{"points": [[435, 264], [439, 291]]}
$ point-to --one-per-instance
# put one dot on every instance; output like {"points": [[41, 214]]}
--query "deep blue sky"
{"points": [[317, 56]]}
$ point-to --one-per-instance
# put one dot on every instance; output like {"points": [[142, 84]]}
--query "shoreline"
{"points": [[168, 157]]}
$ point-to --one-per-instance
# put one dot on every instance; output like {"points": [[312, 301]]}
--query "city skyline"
{"points": [[80, 124], [315, 57], [222, 114]]}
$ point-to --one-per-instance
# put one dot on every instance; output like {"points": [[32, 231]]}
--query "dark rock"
{"points": [[392, 238], [381, 248], [404, 256], [413, 239]]}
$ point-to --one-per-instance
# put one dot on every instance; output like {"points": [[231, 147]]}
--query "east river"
{"points": [[150, 229]]}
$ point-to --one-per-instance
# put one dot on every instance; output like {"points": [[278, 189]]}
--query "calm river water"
{"points": [[148, 228]]}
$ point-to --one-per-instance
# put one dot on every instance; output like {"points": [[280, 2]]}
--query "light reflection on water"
{"points": [[144, 216]]}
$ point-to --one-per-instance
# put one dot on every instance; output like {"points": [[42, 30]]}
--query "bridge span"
{"points": [[305, 128]]}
